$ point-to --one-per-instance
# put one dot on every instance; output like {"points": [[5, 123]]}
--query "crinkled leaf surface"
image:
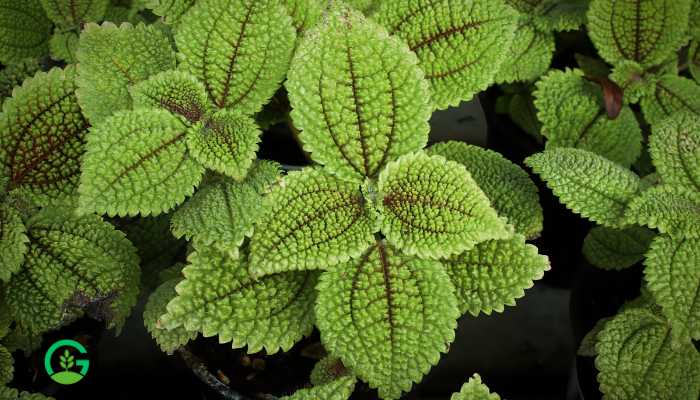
{"points": [[672, 95], [112, 58], [220, 297], [460, 44], [474, 389], [13, 242], [358, 96], [171, 11], [588, 184], [312, 220], [670, 210], [73, 13], [305, 13], [338, 389], [675, 151], [239, 49], [63, 46], [137, 163], [14, 74], [7, 393], [176, 91], [432, 207], [387, 317], [6, 366], [553, 15], [616, 249], [587, 346], [25, 30], [168, 340], [529, 56], [694, 59], [327, 369]]}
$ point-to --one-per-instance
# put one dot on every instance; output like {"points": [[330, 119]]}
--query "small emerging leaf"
{"points": [[616, 249], [168, 340], [178, 92], [339, 389], [474, 389]]}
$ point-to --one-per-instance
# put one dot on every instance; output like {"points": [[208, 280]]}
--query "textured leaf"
{"points": [[13, 75], [137, 162], [327, 370], [635, 81], [239, 49], [553, 15], [169, 340], [226, 144], [431, 207], [63, 46], [494, 274], [474, 389], [387, 317], [17, 339], [112, 59], [339, 389], [13, 242], [573, 114], [587, 346], [460, 43], [312, 220], [694, 20], [25, 30], [42, 136], [6, 366], [668, 209], [305, 13], [616, 249], [672, 274], [587, 184], [672, 95], [358, 96], [509, 188], [13, 394], [647, 31], [172, 11], [73, 13], [529, 55], [694, 59], [178, 92], [675, 151], [220, 297], [637, 361], [523, 112]]}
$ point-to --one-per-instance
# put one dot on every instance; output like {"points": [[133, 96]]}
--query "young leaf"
{"points": [[338, 389], [171, 11], [431, 207], [73, 13], [220, 297], [616, 249], [672, 95], [137, 163], [474, 389], [305, 13], [327, 370], [675, 151], [387, 317], [63, 46], [573, 114], [494, 274], [13, 241], [25, 30], [42, 136], [239, 49], [6, 366], [168, 340], [178, 92], [312, 220], [671, 210], [530, 54], [509, 188], [111, 59], [358, 96], [588, 184], [637, 360], [647, 32], [13, 75], [460, 44]]}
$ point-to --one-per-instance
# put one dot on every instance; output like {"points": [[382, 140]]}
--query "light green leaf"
{"points": [[635, 81], [529, 56], [694, 20], [694, 59], [672, 95], [7, 393], [25, 30], [13, 241], [339, 389], [176, 91], [73, 13], [312, 220], [616, 249], [6, 366], [494, 274], [431, 207], [387, 317], [573, 114], [305, 13], [239, 49], [647, 32], [587, 184], [172, 11], [670, 210], [42, 135], [13, 75], [509, 188], [460, 44], [63, 46], [111, 59], [474, 389], [358, 96], [220, 297], [553, 15], [168, 340], [327, 370], [637, 361], [675, 151]]}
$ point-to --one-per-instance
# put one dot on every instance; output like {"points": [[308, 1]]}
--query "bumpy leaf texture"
{"points": [[63, 46], [305, 13], [358, 96], [25, 30], [168, 340], [672, 95], [670, 210], [73, 13], [6, 366], [42, 135], [553, 15], [431, 207], [13, 241], [694, 59], [460, 43], [616, 249], [171, 11], [675, 151], [7, 393], [176, 91], [312, 220], [647, 31], [137, 163], [637, 360], [112, 58], [474, 389], [530, 54], [572, 112], [326, 370], [588, 184], [239, 49], [14, 74], [220, 297], [338, 389], [387, 316]]}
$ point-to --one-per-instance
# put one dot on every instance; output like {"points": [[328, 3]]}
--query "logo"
{"points": [[63, 353]]}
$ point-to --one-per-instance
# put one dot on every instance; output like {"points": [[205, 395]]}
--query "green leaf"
{"points": [[137, 163], [553, 15], [7, 393], [523, 112], [672, 274], [587, 346], [387, 317], [616, 249], [339, 389], [647, 32], [168, 340], [694, 20], [530, 54], [224, 211], [494, 274], [358, 96], [63, 46], [13, 241], [312, 220], [220, 297], [176, 91], [171, 11], [305, 13], [636, 360], [675, 151], [42, 135], [18, 339], [239, 49], [672, 95], [6, 366], [474, 389], [670, 210], [25, 30], [227, 143], [587, 184], [573, 114], [13, 75], [432, 208], [694, 59], [73, 13], [509, 188], [460, 45], [327, 370], [113, 58]]}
